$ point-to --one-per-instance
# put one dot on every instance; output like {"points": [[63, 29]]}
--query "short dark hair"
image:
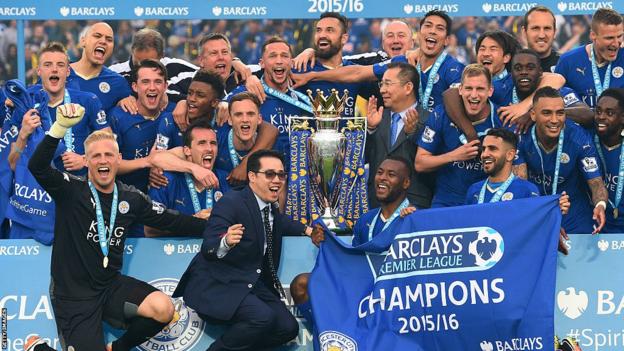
{"points": [[253, 162], [508, 42], [344, 22], [545, 92], [605, 16], [538, 8], [148, 38], [149, 63], [407, 73], [616, 93], [244, 95], [441, 14], [210, 37], [212, 79], [53, 46], [508, 136], [528, 52], [275, 39], [197, 123], [404, 161]]}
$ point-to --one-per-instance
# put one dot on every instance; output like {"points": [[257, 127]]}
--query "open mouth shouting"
{"points": [[207, 160], [104, 172], [323, 44], [279, 74], [220, 69], [54, 80], [152, 98], [396, 50], [99, 53], [430, 43], [474, 103]]}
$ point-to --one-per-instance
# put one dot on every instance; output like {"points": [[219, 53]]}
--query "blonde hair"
{"points": [[100, 135], [475, 70]]}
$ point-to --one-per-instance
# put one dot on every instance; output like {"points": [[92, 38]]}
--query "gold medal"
{"points": [[105, 261], [615, 213]]}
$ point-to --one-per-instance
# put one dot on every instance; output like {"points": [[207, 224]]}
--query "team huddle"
{"points": [[158, 146]]}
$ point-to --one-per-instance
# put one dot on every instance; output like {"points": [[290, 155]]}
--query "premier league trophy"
{"points": [[334, 161]]}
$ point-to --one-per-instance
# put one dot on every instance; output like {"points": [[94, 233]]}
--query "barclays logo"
{"points": [[424, 8], [18, 11], [239, 11], [515, 344], [563, 6], [506, 7], [161, 11], [86, 11], [19, 250], [571, 303]]}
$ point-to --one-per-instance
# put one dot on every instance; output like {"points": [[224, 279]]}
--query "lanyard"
{"points": [[499, 192], [607, 80], [191, 187], [293, 100], [69, 136], [233, 155], [424, 96], [389, 221], [620, 183], [555, 180], [514, 96], [99, 215], [462, 136]]}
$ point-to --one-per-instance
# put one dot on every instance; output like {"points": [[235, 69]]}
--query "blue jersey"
{"points": [[361, 229], [576, 67], [449, 74], [503, 85], [364, 89], [277, 112], [224, 159], [518, 189], [109, 86], [611, 169], [135, 136], [504, 97], [169, 134], [176, 194], [579, 163], [453, 179]]}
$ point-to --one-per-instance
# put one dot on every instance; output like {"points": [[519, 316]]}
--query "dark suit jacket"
{"points": [[378, 148], [215, 286]]}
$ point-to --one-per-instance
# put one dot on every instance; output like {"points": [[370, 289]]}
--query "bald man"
{"points": [[90, 74]]}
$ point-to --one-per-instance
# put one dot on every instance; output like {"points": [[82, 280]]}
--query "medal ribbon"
{"points": [[307, 106], [555, 181], [424, 96], [462, 137], [389, 221], [499, 192], [194, 198], [99, 215], [620, 183], [607, 80], [69, 136], [233, 155]]}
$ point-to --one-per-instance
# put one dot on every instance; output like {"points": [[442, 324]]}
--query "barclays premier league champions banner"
{"points": [[465, 278]]}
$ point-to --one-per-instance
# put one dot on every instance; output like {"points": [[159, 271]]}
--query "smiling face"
{"points": [[103, 159], [391, 181], [397, 39], [98, 44], [526, 72], [53, 70], [540, 32], [266, 188], [496, 153], [475, 91], [150, 88], [490, 54], [201, 100], [244, 119], [549, 117], [607, 41], [276, 61], [609, 117], [433, 36], [203, 149], [329, 38], [216, 57]]}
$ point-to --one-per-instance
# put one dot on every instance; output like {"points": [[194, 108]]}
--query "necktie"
{"points": [[269, 251], [394, 127]]}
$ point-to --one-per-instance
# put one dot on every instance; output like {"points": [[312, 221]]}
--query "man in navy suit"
{"points": [[233, 279]]}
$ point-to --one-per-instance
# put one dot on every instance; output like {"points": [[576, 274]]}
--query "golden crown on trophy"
{"points": [[330, 106]]}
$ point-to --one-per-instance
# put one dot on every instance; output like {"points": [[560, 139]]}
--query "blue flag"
{"points": [[478, 277]]}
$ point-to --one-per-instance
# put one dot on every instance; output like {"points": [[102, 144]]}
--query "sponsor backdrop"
{"points": [[231, 9], [589, 296]]}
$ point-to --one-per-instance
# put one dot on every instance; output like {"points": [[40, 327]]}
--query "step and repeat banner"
{"points": [[589, 298], [264, 9]]}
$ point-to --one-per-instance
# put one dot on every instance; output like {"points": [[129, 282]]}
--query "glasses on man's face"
{"points": [[389, 83], [271, 174]]}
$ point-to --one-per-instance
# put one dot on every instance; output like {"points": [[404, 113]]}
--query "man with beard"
{"points": [[539, 27], [392, 179], [595, 67], [282, 101], [443, 148], [90, 74], [558, 155], [609, 122], [238, 136], [183, 192]]}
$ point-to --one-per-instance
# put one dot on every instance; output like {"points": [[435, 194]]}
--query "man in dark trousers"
{"points": [[233, 280], [92, 220]]}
